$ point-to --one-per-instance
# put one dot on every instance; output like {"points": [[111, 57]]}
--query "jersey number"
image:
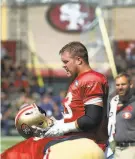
{"points": [[68, 114]]}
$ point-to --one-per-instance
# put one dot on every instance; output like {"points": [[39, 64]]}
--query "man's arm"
{"points": [[92, 117]]}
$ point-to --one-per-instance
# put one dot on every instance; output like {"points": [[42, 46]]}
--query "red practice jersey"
{"points": [[28, 149], [89, 88]]}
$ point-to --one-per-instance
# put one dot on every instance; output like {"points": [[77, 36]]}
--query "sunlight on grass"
{"points": [[9, 141]]}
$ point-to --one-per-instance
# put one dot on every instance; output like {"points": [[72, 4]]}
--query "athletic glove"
{"points": [[60, 128]]}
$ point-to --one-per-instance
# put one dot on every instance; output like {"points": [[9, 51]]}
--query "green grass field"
{"points": [[8, 141]]}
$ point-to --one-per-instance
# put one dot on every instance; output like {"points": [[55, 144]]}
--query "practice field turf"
{"points": [[8, 141]]}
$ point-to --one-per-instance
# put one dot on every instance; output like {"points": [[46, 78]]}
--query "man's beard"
{"points": [[127, 96]]}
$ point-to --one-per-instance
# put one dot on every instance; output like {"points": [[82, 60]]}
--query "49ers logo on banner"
{"points": [[71, 17]]}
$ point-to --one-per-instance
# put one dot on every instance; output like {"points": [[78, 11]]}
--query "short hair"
{"points": [[76, 49], [125, 75]]}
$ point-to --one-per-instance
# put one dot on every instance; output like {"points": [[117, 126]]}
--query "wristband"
{"points": [[72, 127]]}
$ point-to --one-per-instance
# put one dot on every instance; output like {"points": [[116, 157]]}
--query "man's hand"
{"points": [[61, 128]]}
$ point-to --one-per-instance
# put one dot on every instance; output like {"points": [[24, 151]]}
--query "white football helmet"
{"points": [[29, 115]]}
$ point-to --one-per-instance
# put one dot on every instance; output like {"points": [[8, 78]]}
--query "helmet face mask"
{"points": [[28, 116]]}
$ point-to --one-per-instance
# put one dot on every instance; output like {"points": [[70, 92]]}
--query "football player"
{"points": [[85, 105], [85, 111]]}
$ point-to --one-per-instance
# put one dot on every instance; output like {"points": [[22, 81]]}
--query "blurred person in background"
{"points": [[36, 98], [130, 55], [47, 104], [121, 124], [59, 99], [24, 98], [57, 112], [6, 111], [3, 52], [35, 87]]}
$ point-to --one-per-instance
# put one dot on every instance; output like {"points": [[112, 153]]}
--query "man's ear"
{"points": [[78, 60]]}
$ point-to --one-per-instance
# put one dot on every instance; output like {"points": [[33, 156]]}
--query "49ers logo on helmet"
{"points": [[26, 129], [71, 17]]}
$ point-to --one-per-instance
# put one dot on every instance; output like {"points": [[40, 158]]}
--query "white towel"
{"points": [[112, 117], [111, 123]]}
